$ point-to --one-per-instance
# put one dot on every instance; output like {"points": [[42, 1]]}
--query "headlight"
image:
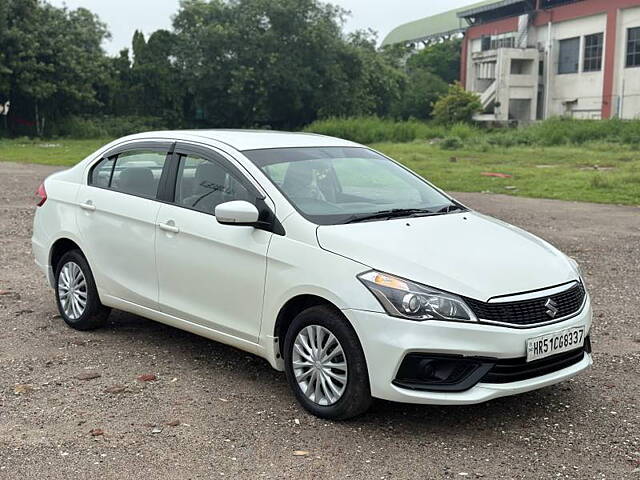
{"points": [[404, 299]]}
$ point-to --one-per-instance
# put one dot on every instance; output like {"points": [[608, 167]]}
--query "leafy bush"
{"points": [[457, 106], [601, 181], [552, 132], [562, 131], [464, 131], [452, 143], [509, 138], [373, 129]]}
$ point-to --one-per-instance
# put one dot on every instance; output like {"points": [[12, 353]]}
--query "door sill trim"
{"points": [[182, 324]]}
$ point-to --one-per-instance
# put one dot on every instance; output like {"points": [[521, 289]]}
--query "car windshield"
{"points": [[336, 185]]}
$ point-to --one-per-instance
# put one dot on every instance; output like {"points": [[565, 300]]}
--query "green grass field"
{"points": [[48, 152], [602, 173]]}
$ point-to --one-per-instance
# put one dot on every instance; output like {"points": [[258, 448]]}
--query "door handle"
{"points": [[88, 206], [169, 228]]}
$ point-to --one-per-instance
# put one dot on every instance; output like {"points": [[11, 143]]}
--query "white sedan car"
{"points": [[341, 267]]}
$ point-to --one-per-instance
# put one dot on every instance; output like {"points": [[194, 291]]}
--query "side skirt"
{"points": [[191, 327]]}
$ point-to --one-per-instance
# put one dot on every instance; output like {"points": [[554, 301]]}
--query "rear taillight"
{"points": [[41, 193]]}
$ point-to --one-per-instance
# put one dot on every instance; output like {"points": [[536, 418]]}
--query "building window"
{"points": [[593, 52], [486, 43], [502, 42], [569, 58], [497, 41], [633, 47]]}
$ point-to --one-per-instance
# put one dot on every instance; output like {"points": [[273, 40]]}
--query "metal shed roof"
{"points": [[477, 9], [430, 27]]}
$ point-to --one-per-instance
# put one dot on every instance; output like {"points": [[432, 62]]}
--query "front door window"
{"points": [[204, 184]]}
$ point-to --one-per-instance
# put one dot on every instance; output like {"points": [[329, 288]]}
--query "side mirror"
{"points": [[238, 212]]}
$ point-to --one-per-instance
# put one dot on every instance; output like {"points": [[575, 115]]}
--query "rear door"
{"points": [[210, 274], [117, 221]]}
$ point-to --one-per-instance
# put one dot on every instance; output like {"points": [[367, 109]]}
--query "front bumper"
{"points": [[387, 340]]}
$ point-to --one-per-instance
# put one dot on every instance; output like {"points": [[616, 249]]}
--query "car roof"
{"points": [[243, 140]]}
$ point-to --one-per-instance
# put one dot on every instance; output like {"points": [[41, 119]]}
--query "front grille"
{"points": [[527, 313], [515, 370]]}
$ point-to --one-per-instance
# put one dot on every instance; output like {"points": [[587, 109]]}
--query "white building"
{"points": [[533, 59]]}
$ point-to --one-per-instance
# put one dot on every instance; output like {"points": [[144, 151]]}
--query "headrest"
{"points": [[209, 172], [138, 180], [299, 176]]}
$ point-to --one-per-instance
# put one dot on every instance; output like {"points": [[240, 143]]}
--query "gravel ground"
{"points": [[215, 412]]}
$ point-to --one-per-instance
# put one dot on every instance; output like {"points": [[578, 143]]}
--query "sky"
{"points": [[125, 16]]}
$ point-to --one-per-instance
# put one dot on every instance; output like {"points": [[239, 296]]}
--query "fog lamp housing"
{"points": [[440, 373]]}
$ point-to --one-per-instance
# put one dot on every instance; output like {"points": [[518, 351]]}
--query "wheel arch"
{"points": [[292, 308], [61, 246]]}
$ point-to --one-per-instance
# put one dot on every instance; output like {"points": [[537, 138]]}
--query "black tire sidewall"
{"points": [[357, 396], [94, 313]]}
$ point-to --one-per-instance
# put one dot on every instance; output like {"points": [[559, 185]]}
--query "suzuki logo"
{"points": [[552, 308]]}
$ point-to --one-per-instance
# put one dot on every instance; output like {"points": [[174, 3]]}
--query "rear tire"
{"points": [[319, 333], [76, 294]]}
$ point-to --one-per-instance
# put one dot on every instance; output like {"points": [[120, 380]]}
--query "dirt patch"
{"points": [[214, 412]]}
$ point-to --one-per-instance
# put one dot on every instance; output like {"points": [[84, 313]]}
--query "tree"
{"points": [[280, 63], [225, 63], [54, 73], [115, 91], [155, 80], [373, 83], [5, 71], [441, 59], [421, 91], [458, 105], [428, 73]]}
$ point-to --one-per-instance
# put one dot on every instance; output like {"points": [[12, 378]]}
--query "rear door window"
{"points": [[101, 173], [138, 172]]}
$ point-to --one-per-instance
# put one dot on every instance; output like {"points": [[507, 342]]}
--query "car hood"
{"points": [[468, 254]]}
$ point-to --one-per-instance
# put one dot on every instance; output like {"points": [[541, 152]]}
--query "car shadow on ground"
{"points": [[254, 373]]}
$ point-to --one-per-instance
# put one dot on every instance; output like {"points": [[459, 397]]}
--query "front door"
{"points": [[210, 274]]}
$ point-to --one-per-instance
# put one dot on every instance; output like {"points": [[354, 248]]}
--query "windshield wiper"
{"points": [[387, 214], [451, 208], [405, 212]]}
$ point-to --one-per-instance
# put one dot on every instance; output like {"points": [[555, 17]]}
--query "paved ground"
{"points": [[235, 417]]}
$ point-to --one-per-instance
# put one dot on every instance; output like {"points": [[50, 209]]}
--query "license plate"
{"points": [[554, 343]]}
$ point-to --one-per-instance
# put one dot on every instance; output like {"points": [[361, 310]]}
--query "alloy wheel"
{"points": [[319, 365], [72, 290]]}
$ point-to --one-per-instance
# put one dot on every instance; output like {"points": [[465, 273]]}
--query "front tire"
{"points": [[325, 365], [76, 294]]}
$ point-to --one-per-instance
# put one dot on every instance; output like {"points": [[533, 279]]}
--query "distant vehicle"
{"points": [[338, 265]]}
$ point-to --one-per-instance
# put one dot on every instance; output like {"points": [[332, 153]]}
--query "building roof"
{"points": [[431, 27], [477, 9]]}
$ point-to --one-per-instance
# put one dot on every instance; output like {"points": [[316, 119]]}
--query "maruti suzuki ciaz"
{"points": [[352, 274]]}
